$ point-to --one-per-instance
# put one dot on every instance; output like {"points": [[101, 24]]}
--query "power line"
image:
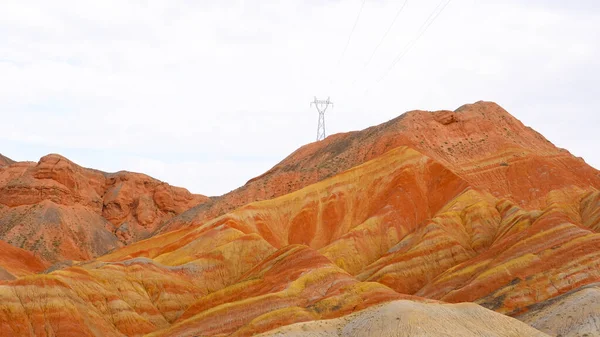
{"points": [[351, 32], [412, 43], [321, 125], [428, 22], [385, 35]]}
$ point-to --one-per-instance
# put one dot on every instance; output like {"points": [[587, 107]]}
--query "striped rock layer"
{"points": [[369, 233]]}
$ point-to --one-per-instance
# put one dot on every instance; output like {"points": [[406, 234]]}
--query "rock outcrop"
{"points": [[66, 212]]}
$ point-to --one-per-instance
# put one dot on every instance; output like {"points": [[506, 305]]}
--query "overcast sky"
{"points": [[208, 94]]}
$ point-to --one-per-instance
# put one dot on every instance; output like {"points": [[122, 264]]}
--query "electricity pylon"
{"points": [[321, 106]]}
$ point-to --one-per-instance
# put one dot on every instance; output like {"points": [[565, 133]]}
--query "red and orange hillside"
{"points": [[63, 211], [374, 232]]}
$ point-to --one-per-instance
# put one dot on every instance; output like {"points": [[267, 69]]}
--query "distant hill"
{"points": [[63, 211]]}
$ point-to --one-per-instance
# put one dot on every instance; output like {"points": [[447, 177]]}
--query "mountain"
{"points": [[63, 211], [480, 142], [384, 231]]}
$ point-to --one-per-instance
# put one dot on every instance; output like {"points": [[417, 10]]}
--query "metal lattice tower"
{"points": [[321, 106]]}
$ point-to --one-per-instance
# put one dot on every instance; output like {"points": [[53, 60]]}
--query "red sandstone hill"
{"points": [[63, 211], [376, 232]]}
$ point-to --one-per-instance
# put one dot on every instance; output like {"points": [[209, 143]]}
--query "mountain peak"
{"points": [[481, 142]]}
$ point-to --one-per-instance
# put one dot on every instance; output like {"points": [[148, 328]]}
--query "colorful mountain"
{"points": [[385, 231]]}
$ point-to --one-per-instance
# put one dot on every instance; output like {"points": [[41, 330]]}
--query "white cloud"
{"points": [[208, 94]]}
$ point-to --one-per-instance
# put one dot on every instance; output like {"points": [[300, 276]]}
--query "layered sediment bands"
{"points": [[480, 142], [546, 257], [128, 298], [368, 233], [352, 218], [139, 295], [66, 212], [384, 222], [465, 226], [16, 262], [294, 284], [222, 254], [113, 300], [408, 318], [590, 210], [469, 225]]}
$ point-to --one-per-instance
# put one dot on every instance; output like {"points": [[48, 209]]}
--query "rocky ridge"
{"points": [[480, 142], [365, 232], [63, 211]]}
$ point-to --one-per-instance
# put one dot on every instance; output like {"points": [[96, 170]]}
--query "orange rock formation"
{"points": [[66, 212], [480, 142], [367, 232], [16, 262]]}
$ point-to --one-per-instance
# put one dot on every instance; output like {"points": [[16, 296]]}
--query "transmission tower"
{"points": [[321, 106]]}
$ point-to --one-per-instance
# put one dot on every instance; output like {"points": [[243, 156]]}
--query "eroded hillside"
{"points": [[480, 142], [371, 232], [62, 211]]}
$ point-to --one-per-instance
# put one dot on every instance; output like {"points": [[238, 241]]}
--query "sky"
{"points": [[208, 94]]}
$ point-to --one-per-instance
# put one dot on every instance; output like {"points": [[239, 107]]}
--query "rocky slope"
{"points": [[449, 241], [5, 160], [265, 265], [576, 313], [63, 211], [408, 319], [370, 233], [480, 142], [16, 262]]}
